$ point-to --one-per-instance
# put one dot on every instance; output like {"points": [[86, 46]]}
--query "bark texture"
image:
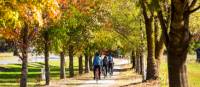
{"points": [[138, 65], [71, 61], [142, 64], [179, 38], [62, 65], [151, 61], [87, 69], [46, 55], [24, 71], [133, 58], [80, 63], [159, 44], [24, 58]]}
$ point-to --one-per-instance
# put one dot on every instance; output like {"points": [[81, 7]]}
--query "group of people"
{"points": [[103, 64]]}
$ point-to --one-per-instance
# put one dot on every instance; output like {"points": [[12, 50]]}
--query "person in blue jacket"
{"points": [[97, 64]]}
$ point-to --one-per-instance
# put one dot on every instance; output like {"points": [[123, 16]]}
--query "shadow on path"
{"points": [[75, 84], [131, 84], [121, 70]]}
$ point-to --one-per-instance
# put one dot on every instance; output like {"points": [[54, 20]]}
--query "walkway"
{"points": [[122, 76]]}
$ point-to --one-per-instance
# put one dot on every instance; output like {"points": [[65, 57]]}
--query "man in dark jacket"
{"points": [[105, 65]]}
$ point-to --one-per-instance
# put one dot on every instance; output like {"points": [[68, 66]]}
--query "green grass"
{"points": [[10, 76], [193, 72]]}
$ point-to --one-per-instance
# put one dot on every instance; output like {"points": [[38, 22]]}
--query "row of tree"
{"points": [[61, 27], [81, 27]]}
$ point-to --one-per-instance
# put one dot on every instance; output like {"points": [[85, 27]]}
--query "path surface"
{"points": [[121, 77]]}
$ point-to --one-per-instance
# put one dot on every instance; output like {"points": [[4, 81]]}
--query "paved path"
{"points": [[113, 81], [105, 82]]}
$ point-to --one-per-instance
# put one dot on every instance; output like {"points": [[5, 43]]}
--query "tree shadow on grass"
{"points": [[3, 69], [12, 73]]}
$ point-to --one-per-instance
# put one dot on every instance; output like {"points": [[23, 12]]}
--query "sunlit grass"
{"points": [[10, 76]]}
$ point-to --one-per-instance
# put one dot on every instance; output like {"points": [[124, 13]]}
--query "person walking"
{"points": [[105, 65], [97, 64]]}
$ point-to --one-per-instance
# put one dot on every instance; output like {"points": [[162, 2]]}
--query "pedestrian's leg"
{"points": [[94, 69], [109, 68], [112, 68], [99, 73], [106, 70]]}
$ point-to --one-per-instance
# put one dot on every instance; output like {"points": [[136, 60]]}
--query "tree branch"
{"points": [[19, 56], [16, 44], [144, 11], [195, 9], [31, 35], [123, 36], [164, 28], [193, 4]]}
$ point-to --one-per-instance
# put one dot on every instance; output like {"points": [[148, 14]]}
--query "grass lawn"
{"points": [[193, 72], [10, 74]]}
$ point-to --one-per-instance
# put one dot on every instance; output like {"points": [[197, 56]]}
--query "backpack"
{"points": [[110, 59], [105, 60]]}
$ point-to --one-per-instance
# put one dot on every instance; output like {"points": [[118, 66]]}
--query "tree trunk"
{"points": [[179, 39], [136, 62], [86, 63], [80, 60], [159, 45], [138, 66], [46, 54], [90, 62], [24, 71], [133, 58], [62, 65], [71, 63], [23, 82], [151, 62], [142, 64]]}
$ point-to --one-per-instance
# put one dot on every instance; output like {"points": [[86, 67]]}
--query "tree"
{"points": [[155, 40], [128, 25], [77, 20], [51, 14], [20, 21], [178, 39], [151, 62]]}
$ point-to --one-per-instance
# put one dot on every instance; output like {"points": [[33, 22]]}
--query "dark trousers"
{"points": [[106, 69], [95, 68], [110, 67]]}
